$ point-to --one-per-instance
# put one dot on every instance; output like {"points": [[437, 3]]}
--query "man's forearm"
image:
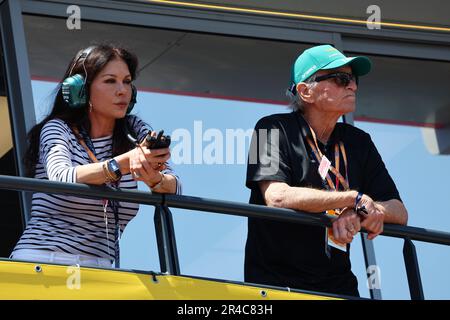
{"points": [[394, 211], [307, 199]]}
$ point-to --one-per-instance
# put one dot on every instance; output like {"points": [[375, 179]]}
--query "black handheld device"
{"points": [[158, 142]]}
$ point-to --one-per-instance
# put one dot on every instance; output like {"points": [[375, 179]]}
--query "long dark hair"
{"points": [[94, 63]]}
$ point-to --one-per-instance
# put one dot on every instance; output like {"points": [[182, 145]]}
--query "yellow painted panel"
{"points": [[20, 280], [5, 125]]}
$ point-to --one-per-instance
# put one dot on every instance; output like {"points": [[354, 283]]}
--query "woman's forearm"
{"points": [[91, 173], [94, 173]]}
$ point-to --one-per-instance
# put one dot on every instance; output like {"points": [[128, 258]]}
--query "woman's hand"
{"points": [[146, 164]]}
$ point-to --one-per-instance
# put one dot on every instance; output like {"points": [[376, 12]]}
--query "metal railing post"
{"points": [[165, 238], [370, 260], [172, 240], [412, 270]]}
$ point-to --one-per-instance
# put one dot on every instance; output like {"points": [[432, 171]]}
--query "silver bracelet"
{"points": [[159, 184]]}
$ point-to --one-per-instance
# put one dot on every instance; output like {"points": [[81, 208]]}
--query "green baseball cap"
{"points": [[326, 57]]}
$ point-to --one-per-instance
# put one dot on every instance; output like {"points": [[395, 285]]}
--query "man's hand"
{"points": [[346, 226], [373, 219], [373, 222]]}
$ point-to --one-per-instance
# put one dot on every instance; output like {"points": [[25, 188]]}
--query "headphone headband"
{"points": [[83, 55], [87, 51]]}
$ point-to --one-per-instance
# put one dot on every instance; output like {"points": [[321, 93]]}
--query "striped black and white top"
{"points": [[72, 224]]}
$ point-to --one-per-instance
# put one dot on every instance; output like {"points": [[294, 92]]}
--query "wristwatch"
{"points": [[114, 169]]}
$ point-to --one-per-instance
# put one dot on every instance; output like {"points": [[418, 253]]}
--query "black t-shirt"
{"points": [[290, 254]]}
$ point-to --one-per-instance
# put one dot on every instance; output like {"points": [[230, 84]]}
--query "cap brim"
{"points": [[360, 65]]}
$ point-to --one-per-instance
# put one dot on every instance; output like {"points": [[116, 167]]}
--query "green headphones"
{"points": [[74, 91]]}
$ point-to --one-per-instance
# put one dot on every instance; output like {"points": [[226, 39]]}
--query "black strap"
{"points": [[87, 139], [114, 204]]}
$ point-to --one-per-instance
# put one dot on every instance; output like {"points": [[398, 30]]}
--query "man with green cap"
{"points": [[305, 160]]}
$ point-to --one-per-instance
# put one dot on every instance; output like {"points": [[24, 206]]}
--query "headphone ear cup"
{"points": [[133, 98], [73, 91]]}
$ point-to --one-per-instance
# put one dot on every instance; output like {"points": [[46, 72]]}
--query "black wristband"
{"points": [[358, 199], [362, 211], [114, 169]]}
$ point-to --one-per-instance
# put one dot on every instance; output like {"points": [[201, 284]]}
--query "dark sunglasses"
{"points": [[341, 78]]}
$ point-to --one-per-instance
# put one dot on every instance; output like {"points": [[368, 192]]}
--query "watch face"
{"points": [[114, 166]]}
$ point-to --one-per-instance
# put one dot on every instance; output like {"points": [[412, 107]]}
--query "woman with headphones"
{"points": [[84, 140]]}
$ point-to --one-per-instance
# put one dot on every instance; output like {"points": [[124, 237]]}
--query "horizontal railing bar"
{"points": [[414, 233], [207, 205], [184, 202], [88, 191], [246, 210]]}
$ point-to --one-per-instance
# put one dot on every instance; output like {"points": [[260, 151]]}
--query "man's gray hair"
{"points": [[296, 102]]}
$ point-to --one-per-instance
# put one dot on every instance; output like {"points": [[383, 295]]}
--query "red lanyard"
{"points": [[335, 170]]}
